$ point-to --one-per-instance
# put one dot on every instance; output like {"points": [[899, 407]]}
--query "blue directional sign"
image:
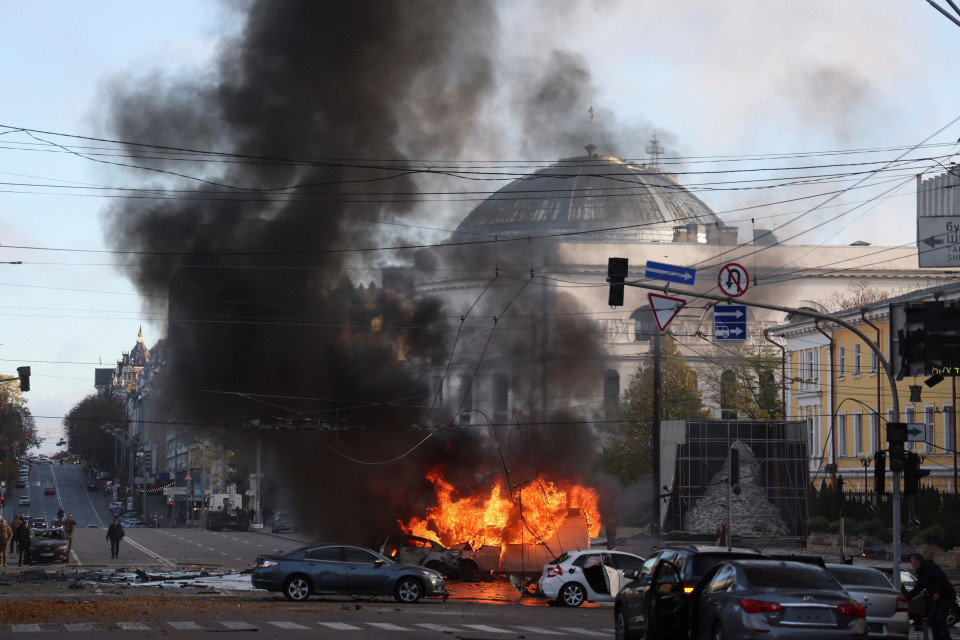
{"points": [[670, 272], [730, 322]]}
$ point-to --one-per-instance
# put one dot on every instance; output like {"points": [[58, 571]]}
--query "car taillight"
{"points": [[758, 606], [902, 604], [855, 610], [554, 571], [688, 589]]}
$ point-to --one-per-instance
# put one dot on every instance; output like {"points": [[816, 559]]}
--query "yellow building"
{"points": [[836, 383]]}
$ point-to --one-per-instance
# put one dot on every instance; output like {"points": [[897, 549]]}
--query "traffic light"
{"points": [[616, 275], [897, 455], [880, 473], [24, 373], [912, 474]]}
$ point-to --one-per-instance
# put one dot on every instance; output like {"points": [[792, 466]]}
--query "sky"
{"points": [[757, 83]]}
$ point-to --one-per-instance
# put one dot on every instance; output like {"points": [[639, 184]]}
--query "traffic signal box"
{"points": [[616, 275], [880, 473], [896, 436], [912, 474], [928, 338]]}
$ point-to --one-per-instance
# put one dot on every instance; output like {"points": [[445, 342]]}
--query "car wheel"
{"points": [[297, 588], [717, 632], [572, 595], [408, 590], [621, 630]]}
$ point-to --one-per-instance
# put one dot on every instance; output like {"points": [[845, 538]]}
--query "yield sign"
{"points": [[664, 308]]}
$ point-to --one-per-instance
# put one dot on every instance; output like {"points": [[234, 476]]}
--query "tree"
{"points": [[746, 383], [83, 423], [859, 294], [17, 426], [628, 455]]}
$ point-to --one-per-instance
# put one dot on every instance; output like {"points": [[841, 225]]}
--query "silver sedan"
{"points": [[779, 599], [887, 615]]}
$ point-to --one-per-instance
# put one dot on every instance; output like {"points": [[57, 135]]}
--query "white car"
{"points": [[594, 575], [23, 501]]}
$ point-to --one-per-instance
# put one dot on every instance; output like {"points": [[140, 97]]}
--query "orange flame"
{"points": [[494, 517]]}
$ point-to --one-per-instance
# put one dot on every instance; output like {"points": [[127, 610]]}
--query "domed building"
{"points": [[532, 258]]}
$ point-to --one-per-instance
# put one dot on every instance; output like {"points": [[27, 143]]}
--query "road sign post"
{"points": [[730, 322], [733, 280], [670, 272], [665, 309]]}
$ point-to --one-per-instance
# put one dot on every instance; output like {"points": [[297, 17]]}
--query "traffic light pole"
{"points": [[808, 313]]}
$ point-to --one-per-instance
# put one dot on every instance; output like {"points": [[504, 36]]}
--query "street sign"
{"points": [[670, 272], [733, 280], [938, 241], [916, 432], [665, 309], [730, 322]]}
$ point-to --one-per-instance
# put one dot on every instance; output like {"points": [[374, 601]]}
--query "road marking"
{"points": [[442, 628], [137, 545], [283, 624], [341, 626], [238, 626], [386, 626], [483, 627], [25, 628], [82, 626], [588, 632], [134, 626], [543, 631], [186, 626]]}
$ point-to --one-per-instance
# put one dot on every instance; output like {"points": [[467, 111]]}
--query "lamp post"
{"points": [[865, 459]]}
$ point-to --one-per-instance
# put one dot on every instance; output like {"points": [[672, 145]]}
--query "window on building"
{"points": [[728, 381], [644, 324], [931, 435], [857, 432], [874, 430], [841, 362], [841, 435], [874, 361], [611, 393], [810, 368], [949, 432], [909, 415], [856, 359], [466, 406], [501, 393]]}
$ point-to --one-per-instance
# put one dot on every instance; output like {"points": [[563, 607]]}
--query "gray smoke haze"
{"points": [[263, 320]]}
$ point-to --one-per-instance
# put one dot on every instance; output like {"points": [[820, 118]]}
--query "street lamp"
{"points": [[865, 459]]}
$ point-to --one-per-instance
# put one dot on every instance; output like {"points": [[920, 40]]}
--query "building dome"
{"points": [[628, 202]]}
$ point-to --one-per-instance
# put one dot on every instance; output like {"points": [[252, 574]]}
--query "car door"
{"points": [[636, 594], [367, 572], [709, 601], [326, 568], [623, 563], [612, 577], [667, 611]]}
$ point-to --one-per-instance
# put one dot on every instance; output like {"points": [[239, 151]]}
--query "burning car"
{"points": [[407, 549], [48, 545]]}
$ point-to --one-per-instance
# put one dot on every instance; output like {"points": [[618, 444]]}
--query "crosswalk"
{"points": [[240, 625]]}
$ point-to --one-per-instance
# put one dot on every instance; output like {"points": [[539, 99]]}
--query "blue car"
{"points": [[337, 569]]}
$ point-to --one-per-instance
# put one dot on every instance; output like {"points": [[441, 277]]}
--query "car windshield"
{"points": [[563, 556], [703, 562], [864, 577], [779, 576]]}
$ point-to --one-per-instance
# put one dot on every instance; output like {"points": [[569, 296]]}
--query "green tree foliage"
{"points": [[746, 383], [628, 455], [83, 423], [17, 427]]}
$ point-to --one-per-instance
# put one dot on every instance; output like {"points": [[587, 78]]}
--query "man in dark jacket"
{"points": [[930, 578], [115, 535], [22, 537], [14, 525]]}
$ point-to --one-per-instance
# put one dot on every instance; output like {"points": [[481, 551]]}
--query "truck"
{"points": [[224, 511]]}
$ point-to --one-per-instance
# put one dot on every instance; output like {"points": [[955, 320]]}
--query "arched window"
{"points": [[644, 324], [728, 380], [611, 393]]}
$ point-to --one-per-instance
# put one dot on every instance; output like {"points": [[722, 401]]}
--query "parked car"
{"points": [[776, 598], [48, 545], [23, 501], [282, 521], [21, 484], [659, 592], [326, 569], [92, 486], [49, 490], [594, 575], [407, 549], [38, 522], [886, 607]]}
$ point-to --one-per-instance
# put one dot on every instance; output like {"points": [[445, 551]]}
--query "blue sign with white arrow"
{"points": [[670, 272], [730, 322]]}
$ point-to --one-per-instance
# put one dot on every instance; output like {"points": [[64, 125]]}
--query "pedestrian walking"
{"points": [[68, 526], [60, 514], [723, 534], [932, 580], [6, 535], [23, 543], [14, 525], [115, 534]]}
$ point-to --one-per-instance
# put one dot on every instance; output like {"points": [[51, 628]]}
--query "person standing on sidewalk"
{"points": [[930, 578], [14, 525], [6, 535], [115, 534], [22, 537], [68, 526]]}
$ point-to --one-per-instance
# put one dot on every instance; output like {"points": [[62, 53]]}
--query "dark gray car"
{"points": [[328, 569], [886, 607], [774, 599]]}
